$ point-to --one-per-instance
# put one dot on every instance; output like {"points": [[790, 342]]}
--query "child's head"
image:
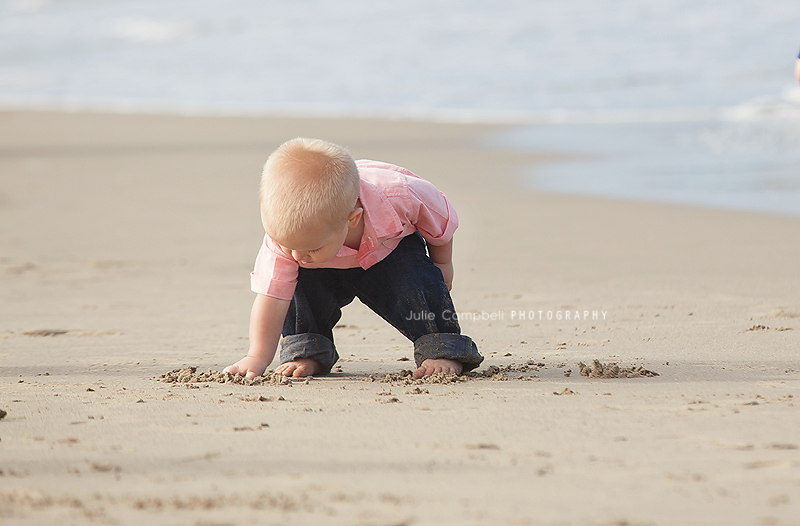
{"points": [[309, 188]]}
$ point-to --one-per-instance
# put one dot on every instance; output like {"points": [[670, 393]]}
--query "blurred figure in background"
{"points": [[797, 68]]}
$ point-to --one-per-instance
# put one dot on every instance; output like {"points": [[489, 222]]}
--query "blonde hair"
{"points": [[307, 185]]}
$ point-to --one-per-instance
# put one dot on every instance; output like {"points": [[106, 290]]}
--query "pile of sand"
{"points": [[493, 372], [406, 377], [189, 375], [516, 371], [612, 370]]}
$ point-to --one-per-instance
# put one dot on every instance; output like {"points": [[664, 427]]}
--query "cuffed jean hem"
{"points": [[310, 345], [447, 345]]}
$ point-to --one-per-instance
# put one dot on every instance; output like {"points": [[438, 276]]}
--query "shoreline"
{"points": [[779, 106], [703, 179], [127, 246]]}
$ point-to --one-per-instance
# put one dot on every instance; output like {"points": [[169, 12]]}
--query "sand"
{"points": [[126, 243]]}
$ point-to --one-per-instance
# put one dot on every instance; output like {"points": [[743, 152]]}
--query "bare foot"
{"points": [[438, 365], [298, 368]]}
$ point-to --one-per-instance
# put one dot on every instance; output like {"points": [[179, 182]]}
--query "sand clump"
{"points": [[46, 332], [189, 375], [759, 328], [612, 370], [507, 372], [406, 377], [566, 391]]}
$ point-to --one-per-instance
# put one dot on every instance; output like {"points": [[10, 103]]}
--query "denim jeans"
{"points": [[405, 288]]}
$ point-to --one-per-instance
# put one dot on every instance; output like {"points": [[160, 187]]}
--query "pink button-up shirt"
{"points": [[396, 203]]}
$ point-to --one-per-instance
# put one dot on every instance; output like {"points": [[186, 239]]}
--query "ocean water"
{"points": [[666, 100]]}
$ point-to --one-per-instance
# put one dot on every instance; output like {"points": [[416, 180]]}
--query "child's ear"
{"points": [[355, 217]]}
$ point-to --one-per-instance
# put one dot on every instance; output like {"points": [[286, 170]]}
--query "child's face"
{"points": [[315, 247]]}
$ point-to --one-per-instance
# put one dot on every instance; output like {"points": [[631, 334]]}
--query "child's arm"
{"points": [[266, 324], [442, 256]]}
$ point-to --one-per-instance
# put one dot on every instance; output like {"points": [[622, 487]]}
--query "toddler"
{"points": [[337, 229]]}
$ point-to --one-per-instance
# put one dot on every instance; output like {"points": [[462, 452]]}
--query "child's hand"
{"points": [[447, 272], [248, 367]]}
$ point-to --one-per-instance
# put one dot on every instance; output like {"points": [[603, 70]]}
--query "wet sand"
{"points": [[126, 243]]}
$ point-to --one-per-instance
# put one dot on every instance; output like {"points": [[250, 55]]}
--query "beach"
{"points": [[126, 243]]}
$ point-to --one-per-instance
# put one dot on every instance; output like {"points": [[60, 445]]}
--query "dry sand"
{"points": [[126, 244]]}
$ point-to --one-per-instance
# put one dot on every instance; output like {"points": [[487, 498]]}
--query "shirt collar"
{"points": [[380, 218]]}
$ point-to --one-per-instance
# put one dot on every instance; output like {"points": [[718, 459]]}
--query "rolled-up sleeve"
{"points": [[435, 218], [275, 273]]}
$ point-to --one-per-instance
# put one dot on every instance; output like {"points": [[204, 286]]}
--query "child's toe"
{"points": [[422, 371]]}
